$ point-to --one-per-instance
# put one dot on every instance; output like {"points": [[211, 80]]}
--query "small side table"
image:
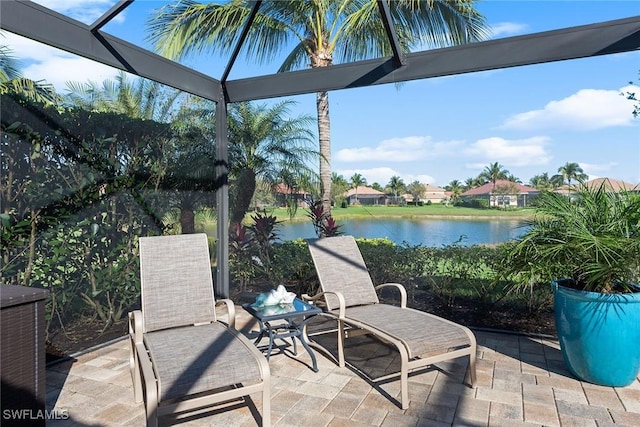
{"points": [[289, 327]]}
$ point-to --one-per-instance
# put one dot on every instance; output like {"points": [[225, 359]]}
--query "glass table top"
{"points": [[282, 311]]}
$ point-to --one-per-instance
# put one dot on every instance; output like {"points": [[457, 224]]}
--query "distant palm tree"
{"points": [[557, 181], [494, 172], [138, 98], [266, 143], [396, 185], [572, 171], [356, 181], [474, 182], [455, 187], [345, 29], [339, 186], [541, 182], [511, 177], [416, 189], [377, 186]]}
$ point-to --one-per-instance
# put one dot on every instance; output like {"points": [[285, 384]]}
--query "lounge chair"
{"points": [[182, 358], [348, 295]]}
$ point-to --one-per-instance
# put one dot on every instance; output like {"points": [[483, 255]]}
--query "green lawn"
{"points": [[356, 212]]}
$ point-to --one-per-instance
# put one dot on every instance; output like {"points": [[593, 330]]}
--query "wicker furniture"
{"points": [[349, 296], [22, 348], [283, 321], [181, 355]]}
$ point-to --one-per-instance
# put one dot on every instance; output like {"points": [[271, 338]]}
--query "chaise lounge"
{"points": [[348, 295], [182, 358]]}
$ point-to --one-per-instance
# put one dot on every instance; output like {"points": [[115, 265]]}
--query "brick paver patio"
{"points": [[522, 380]]}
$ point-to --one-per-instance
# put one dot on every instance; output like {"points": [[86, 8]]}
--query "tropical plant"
{"points": [[265, 235], [324, 31], [184, 168], [266, 143], [592, 238], [73, 203], [323, 223], [242, 267]]}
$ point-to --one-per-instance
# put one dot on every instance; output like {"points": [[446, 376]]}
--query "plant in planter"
{"points": [[587, 244]]}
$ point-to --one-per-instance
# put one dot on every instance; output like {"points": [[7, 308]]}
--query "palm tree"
{"points": [[266, 144], [572, 171], [455, 187], [11, 80], [512, 178], [541, 182], [396, 185], [377, 187], [138, 98], [345, 30], [494, 172], [339, 186], [356, 181]]}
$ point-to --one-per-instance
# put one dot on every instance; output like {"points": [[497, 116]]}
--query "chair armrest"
{"points": [[149, 380], [320, 295], [231, 311], [135, 326], [403, 292]]}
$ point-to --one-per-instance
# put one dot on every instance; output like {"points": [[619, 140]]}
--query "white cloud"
{"points": [[41, 62], [401, 149], [518, 152], [504, 29], [382, 175], [85, 11], [595, 170], [586, 110]]}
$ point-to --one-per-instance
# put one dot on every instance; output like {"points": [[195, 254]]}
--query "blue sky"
{"points": [[529, 119]]}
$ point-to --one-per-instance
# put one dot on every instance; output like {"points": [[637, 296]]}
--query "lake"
{"points": [[424, 231]]}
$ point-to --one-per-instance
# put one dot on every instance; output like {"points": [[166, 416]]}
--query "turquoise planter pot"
{"points": [[599, 334]]}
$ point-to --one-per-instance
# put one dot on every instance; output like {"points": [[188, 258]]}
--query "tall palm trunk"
{"points": [[324, 139]]}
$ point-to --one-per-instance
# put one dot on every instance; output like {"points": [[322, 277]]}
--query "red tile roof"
{"points": [[488, 188]]}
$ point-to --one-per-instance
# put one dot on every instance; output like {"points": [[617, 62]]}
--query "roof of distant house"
{"points": [[285, 189], [488, 188], [363, 191], [433, 189], [614, 185]]}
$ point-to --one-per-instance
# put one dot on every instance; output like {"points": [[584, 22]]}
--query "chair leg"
{"points": [[135, 373], [341, 362], [404, 384], [472, 367], [266, 406]]}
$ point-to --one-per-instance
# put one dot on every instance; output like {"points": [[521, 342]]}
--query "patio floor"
{"points": [[521, 381]]}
